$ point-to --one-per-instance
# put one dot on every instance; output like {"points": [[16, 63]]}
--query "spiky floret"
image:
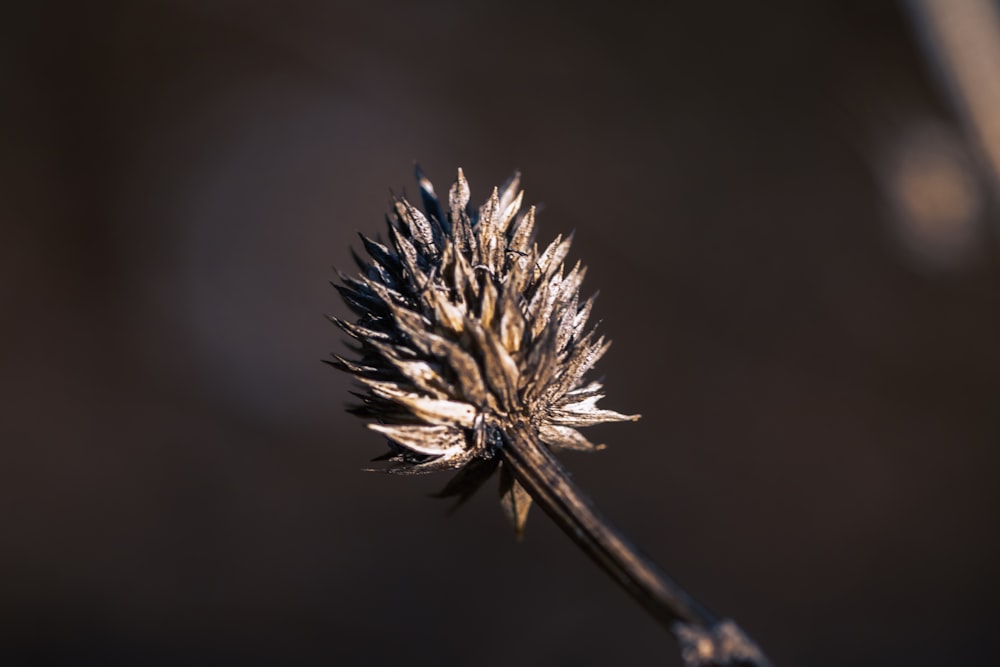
{"points": [[464, 328]]}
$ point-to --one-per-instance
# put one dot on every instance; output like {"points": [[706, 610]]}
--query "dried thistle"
{"points": [[473, 345], [466, 328]]}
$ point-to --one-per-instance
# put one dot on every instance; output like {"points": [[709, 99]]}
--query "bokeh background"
{"points": [[792, 221]]}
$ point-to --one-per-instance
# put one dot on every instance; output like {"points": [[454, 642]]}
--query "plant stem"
{"points": [[550, 486]]}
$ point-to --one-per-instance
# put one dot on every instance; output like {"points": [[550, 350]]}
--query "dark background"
{"points": [[797, 255]]}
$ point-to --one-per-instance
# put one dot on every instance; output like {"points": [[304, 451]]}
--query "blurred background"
{"points": [[790, 210]]}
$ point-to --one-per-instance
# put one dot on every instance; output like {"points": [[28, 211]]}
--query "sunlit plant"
{"points": [[472, 348]]}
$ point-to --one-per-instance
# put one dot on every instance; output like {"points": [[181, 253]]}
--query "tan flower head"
{"points": [[465, 327]]}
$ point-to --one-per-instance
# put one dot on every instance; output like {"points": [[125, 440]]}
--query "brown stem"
{"points": [[549, 485]]}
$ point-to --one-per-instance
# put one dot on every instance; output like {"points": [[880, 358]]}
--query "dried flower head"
{"points": [[473, 346], [465, 328]]}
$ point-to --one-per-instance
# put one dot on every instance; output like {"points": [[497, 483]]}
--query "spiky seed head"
{"points": [[465, 327]]}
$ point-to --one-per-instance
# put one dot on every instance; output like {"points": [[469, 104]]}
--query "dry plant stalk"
{"points": [[472, 348]]}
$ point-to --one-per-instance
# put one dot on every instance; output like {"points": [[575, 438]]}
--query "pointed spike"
{"points": [[509, 189], [411, 259], [582, 315], [461, 221], [566, 321], [511, 321], [508, 211], [514, 501], [381, 254], [420, 228], [362, 304], [431, 410], [432, 440], [524, 231], [488, 303], [491, 252], [340, 363], [429, 198], [458, 196], [468, 480], [580, 419], [566, 437], [407, 465], [551, 260]]}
